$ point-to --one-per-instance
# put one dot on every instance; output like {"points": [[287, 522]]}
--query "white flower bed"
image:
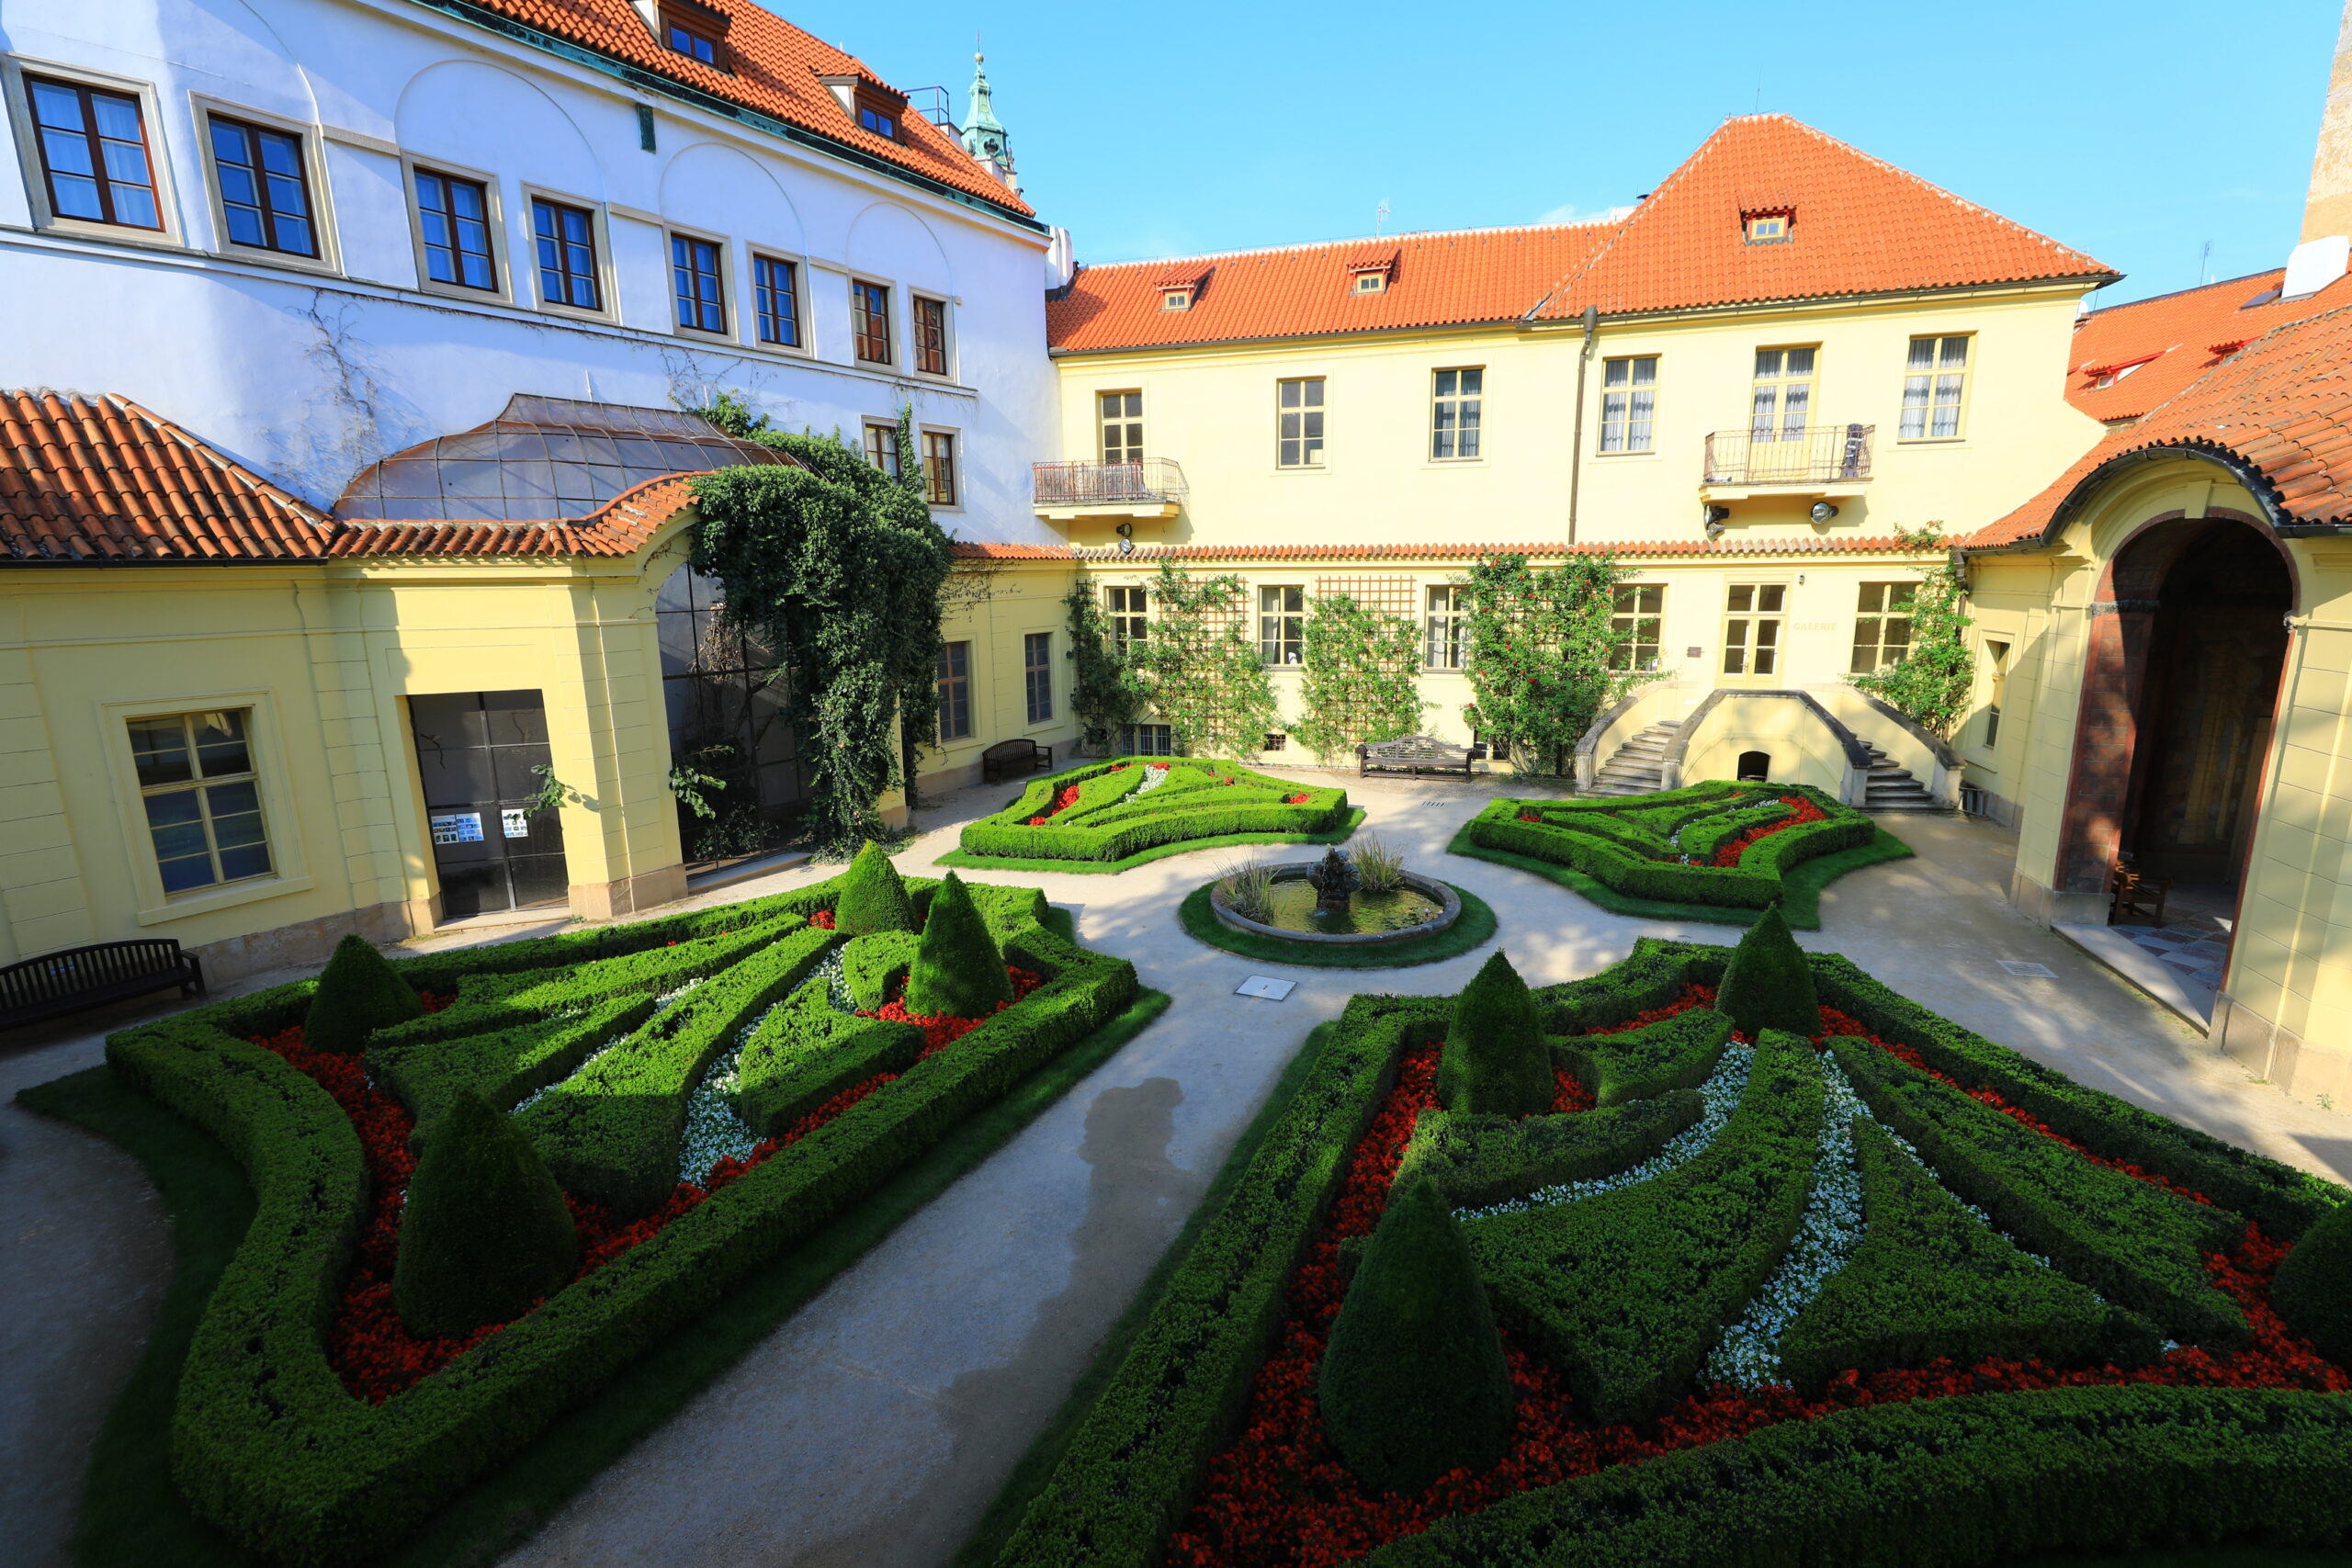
{"points": [[662, 1004], [1720, 1093], [715, 1130], [1154, 775]]}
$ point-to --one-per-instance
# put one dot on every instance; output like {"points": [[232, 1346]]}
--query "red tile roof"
{"points": [[99, 479], [775, 71], [1861, 226], [2282, 405], [2173, 339]]}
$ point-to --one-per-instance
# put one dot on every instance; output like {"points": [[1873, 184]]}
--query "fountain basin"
{"points": [[1443, 906]]}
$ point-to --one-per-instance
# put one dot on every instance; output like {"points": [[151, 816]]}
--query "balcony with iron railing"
{"points": [[1150, 486], [1819, 459]]}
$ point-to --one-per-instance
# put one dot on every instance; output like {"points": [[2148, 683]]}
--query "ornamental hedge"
{"points": [[1113, 809], [1777, 1300], [272, 1443], [1715, 843]]}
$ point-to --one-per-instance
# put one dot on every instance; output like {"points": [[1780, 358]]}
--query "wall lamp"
{"points": [[1822, 512], [1714, 518]]}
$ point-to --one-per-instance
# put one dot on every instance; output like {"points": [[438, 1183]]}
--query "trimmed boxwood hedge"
{"points": [[266, 1442], [1478, 1160], [1109, 821], [1621, 842]]}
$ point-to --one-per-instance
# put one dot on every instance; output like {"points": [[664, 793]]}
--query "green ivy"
{"points": [[1932, 683], [1200, 666], [1363, 676], [1106, 692], [1540, 655]]}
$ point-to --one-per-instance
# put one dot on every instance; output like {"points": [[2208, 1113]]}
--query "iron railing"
{"points": [[1104, 484], [1818, 453]]}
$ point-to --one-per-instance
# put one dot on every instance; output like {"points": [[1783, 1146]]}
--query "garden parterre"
{"points": [[1113, 810], [1835, 1288], [310, 1425]]}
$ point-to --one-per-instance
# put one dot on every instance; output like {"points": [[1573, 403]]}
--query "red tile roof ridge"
{"points": [[2244, 278], [1175, 264]]}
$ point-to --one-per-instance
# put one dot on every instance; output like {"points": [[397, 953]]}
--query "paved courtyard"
{"points": [[875, 1425]]}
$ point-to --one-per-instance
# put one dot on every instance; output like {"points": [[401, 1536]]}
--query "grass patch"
{"points": [[132, 1516], [966, 862], [1036, 1466], [1475, 926], [1800, 896]]}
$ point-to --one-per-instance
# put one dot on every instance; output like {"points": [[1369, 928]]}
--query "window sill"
{"points": [[1302, 468], [318, 266], [441, 290], [1454, 462], [864, 363], [109, 233], [1621, 457], [703, 334], [202, 903], [1931, 441], [575, 313]]}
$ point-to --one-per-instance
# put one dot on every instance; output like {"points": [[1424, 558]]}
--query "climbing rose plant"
{"points": [[1362, 677], [1541, 653], [1935, 677], [1200, 667], [1106, 691]]}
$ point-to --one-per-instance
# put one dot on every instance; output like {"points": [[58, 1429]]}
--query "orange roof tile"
{"points": [[775, 71], [1861, 226], [2170, 339], [1436, 279], [2281, 408]]}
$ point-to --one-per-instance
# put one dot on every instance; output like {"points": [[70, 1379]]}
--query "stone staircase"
{"points": [[1893, 789], [1639, 765]]}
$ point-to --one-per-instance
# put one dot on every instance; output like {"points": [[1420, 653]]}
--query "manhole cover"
{"points": [[1265, 988], [2028, 971]]}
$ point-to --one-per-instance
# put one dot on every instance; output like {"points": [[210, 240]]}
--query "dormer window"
{"points": [[1372, 283], [1175, 298], [876, 108], [1767, 228], [880, 121], [695, 31]]}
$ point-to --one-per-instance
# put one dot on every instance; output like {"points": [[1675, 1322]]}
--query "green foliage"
{"points": [[1540, 652], [1362, 677], [805, 1051], [2312, 1289], [1936, 675], [1674, 1053], [1495, 1061], [874, 896], [957, 971], [485, 1234], [838, 569], [1413, 1383], [1110, 822], [870, 963], [1200, 666], [1768, 985], [1929, 1280], [358, 993], [2137, 1245], [1106, 692], [1478, 1160], [1627, 1290], [501, 1065]]}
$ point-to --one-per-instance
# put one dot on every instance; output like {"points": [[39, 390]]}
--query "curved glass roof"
{"points": [[542, 460]]}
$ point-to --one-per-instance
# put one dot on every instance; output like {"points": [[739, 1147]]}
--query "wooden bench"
{"points": [[1416, 754], [77, 977], [2135, 892], [1007, 759]]}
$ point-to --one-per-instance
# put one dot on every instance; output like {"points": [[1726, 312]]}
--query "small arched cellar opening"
{"points": [[2180, 684], [1755, 766]]}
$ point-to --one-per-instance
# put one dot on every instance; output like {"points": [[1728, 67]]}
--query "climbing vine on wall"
{"points": [[1933, 681], [1106, 690], [1363, 676], [838, 567], [1540, 655], [1200, 668]]}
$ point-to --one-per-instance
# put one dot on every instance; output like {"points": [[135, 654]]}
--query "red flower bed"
{"points": [[1063, 801], [1299, 799], [1528, 816], [376, 1356], [1806, 811], [822, 920], [1279, 1493]]}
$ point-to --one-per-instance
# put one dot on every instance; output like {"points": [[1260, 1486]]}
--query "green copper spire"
{"points": [[984, 135]]}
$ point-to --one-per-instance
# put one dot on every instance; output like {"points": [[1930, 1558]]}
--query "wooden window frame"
{"points": [[883, 455], [1751, 621], [1129, 447], [601, 256], [1445, 628], [1128, 609], [100, 177], [1627, 613], [280, 819], [762, 311], [415, 169], [1281, 626], [862, 317], [1037, 675], [943, 481], [1467, 441], [700, 27], [1929, 379], [716, 275], [200, 786], [954, 691], [1315, 414], [13, 71], [1889, 609], [1773, 426], [929, 320], [1624, 424], [309, 144], [892, 118], [1133, 736]]}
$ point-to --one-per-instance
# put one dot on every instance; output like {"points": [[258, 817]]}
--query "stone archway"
{"points": [[2181, 667]]}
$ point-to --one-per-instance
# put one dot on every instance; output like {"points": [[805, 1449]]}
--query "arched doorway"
{"points": [[1755, 766], [2180, 684]]}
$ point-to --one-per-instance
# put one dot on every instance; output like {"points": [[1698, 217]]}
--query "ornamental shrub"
{"points": [[357, 993], [1768, 985], [2313, 1289], [872, 898], [1495, 1059], [486, 1232], [957, 972], [1413, 1383]]}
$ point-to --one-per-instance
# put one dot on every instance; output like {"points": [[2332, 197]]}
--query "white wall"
{"points": [[308, 374]]}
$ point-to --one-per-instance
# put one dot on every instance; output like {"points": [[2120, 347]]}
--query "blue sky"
{"points": [[2135, 133]]}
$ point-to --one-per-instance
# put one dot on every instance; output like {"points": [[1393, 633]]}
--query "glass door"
{"points": [[492, 847], [1752, 617]]}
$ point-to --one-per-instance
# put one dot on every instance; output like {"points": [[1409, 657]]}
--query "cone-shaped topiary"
{"points": [[1413, 1383], [1768, 985], [1495, 1058], [358, 992], [485, 1231], [872, 897], [2314, 1288], [957, 972]]}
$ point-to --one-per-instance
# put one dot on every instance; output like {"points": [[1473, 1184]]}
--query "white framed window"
{"points": [[1146, 740], [267, 186], [1120, 417], [570, 255], [457, 227], [1175, 300], [776, 299], [1628, 402], [1881, 626], [882, 446], [869, 321], [199, 790], [942, 483], [1752, 616], [1935, 387], [1130, 611], [932, 357], [1781, 402], [1638, 611], [92, 151], [1456, 401], [1281, 624], [1299, 423], [1445, 626], [697, 283]]}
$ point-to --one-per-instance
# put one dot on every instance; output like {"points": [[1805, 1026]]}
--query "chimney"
{"points": [[2323, 256]]}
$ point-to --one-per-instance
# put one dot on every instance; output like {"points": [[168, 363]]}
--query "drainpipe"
{"points": [[1575, 451]]}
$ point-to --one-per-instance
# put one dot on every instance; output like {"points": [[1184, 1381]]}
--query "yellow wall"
{"points": [[994, 608]]}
